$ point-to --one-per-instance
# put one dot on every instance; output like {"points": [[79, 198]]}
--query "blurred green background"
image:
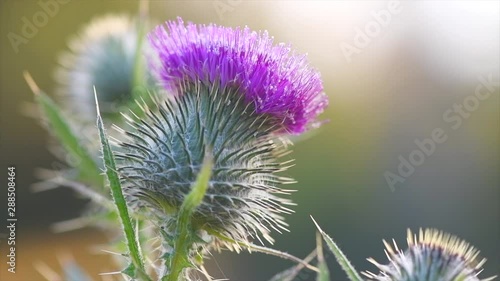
{"points": [[392, 91]]}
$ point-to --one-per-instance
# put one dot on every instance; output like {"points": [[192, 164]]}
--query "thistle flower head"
{"points": [[235, 96], [160, 162], [277, 81], [103, 55], [432, 256]]}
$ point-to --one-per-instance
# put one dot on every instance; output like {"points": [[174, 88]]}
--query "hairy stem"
{"points": [[184, 228]]}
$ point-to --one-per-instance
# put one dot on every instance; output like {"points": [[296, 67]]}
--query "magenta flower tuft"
{"points": [[279, 82]]}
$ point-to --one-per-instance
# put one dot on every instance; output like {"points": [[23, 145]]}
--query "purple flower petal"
{"points": [[278, 81]]}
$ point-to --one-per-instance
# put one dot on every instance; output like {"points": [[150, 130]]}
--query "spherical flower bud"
{"points": [[432, 256], [103, 55], [234, 95]]}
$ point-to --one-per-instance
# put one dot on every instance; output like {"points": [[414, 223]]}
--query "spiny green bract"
{"points": [[433, 256], [160, 160]]}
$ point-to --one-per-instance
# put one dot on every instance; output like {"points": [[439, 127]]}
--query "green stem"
{"points": [[138, 73], [184, 228], [179, 260]]}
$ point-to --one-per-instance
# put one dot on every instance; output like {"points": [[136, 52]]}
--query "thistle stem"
{"points": [[184, 229], [178, 259], [138, 73]]}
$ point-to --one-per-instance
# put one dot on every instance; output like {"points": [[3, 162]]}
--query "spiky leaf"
{"points": [[89, 171], [119, 200], [346, 265], [324, 273]]}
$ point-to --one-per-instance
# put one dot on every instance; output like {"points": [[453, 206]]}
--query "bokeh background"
{"points": [[392, 91]]}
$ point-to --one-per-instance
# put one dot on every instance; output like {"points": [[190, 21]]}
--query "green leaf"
{"points": [[119, 200], [89, 171], [185, 235], [341, 258], [324, 273]]}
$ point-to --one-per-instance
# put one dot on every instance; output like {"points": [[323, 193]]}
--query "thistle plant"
{"points": [[107, 53], [199, 160], [234, 97], [433, 255]]}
